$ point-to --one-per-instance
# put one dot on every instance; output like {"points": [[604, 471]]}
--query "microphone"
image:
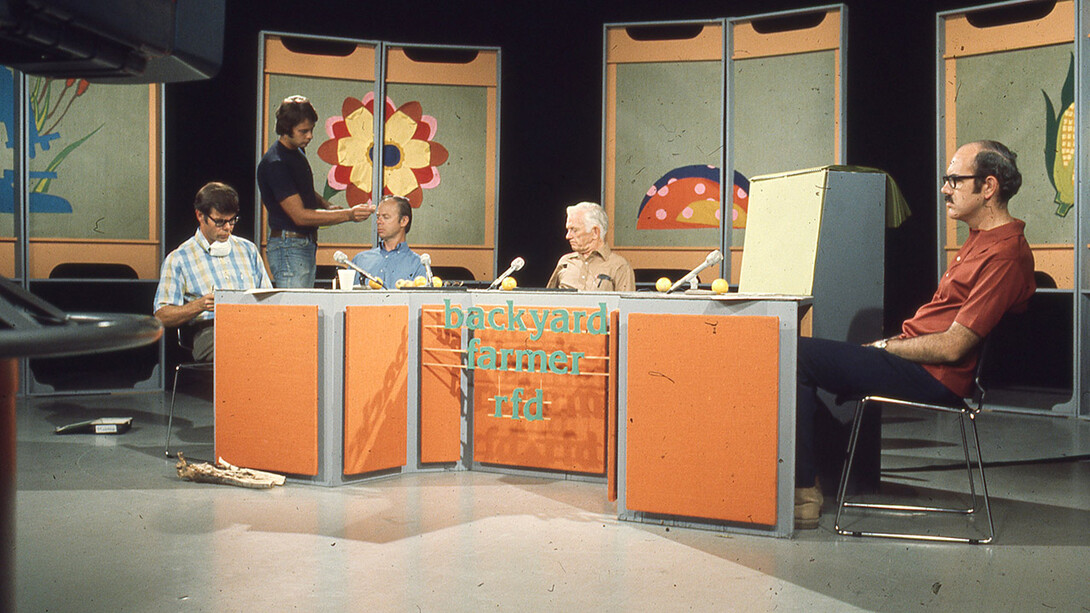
{"points": [[713, 258], [425, 259], [340, 258], [516, 264]]}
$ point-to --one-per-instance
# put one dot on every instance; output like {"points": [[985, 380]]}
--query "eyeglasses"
{"points": [[223, 222], [953, 180], [295, 99]]}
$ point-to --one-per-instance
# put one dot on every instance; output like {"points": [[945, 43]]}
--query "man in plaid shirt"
{"points": [[212, 259]]}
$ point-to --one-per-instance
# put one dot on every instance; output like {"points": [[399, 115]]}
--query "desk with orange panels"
{"points": [[682, 405]]}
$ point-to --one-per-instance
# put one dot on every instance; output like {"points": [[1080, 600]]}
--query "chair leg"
{"points": [[968, 464], [983, 483], [853, 440], [843, 503], [170, 417]]}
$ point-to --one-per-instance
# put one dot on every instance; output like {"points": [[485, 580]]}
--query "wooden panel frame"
{"points": [[144, 255], [482, 71], [962, 39], [621, 48]]}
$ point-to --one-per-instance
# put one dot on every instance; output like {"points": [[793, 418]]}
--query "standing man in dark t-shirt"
{"points": [[295, 210]]}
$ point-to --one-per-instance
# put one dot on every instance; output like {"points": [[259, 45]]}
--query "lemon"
{"points": [[720, 286], [509, 284], [663, 284]]}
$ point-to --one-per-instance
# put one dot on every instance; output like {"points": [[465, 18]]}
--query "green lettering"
{"points": [[577, 321], [471, 351], [560, 321], [499, 406], [598, 322], [516, 396], [505, 353], [452, 316], [558, 362], [492, 318], [575, 355], [536, 400], [475, 318], [539, 317], [533, 357], [487, 359]]}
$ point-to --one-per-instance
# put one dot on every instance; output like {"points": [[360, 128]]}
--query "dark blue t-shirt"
{"points": [[282, 173]]}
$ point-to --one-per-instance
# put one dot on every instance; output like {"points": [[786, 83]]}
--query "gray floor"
{"points": [[104, 524]]}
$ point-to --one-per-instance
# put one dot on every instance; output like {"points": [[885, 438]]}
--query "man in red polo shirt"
{"points": [[934, 358]]}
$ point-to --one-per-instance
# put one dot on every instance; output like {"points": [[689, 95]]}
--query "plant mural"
{"points": [[50, 101], [1060, 143]]}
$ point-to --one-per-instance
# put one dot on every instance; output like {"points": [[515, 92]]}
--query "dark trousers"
{"points": [[852, 371]]}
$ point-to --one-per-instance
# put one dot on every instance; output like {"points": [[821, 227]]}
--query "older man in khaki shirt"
{"points": [[592, 266]]}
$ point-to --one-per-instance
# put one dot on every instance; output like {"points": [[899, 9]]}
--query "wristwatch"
{"points": [[881, 344]]}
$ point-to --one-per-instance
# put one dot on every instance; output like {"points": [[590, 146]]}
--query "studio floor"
{"points": [[104, 524]]}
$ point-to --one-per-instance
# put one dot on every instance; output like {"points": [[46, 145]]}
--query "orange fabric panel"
{"points": [[571, 435], [611, 408], [376, 387], [267, 387], [440, 388], [702, 416], [622, 48], [749, 43]]}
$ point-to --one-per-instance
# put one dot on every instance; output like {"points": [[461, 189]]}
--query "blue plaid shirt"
{"points": [[190, 272]]}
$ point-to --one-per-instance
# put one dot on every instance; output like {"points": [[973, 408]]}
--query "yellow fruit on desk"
{"points": [[508, 284], [420, 281], [436, 281], [663, 284], [400, 283], [375, 283], [720, 286]]}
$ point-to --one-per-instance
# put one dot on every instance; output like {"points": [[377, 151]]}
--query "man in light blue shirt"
{"points": [[212, 259], [392, 260]]}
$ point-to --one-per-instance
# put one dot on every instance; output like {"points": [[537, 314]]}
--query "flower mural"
{"points": [[410, 156]]}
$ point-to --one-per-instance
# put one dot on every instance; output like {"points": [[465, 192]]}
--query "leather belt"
{"points": [[278, 233]]}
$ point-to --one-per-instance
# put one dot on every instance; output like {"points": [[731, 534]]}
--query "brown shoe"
{"points": [[808, 501]]}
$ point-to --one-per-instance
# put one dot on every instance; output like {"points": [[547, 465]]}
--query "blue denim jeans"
{"points": [[292, 261]]}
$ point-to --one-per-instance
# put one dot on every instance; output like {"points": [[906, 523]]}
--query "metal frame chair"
{"points": [[967, 417], [186, 345]]}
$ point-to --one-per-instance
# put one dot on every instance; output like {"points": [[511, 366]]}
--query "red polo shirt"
{"points": [[991, 274]]}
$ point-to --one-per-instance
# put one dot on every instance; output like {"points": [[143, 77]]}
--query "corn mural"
{"points": [[1060, 144]]}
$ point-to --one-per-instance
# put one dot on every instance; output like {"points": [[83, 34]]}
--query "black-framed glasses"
{"points": [[233, 221], [953, 180]]}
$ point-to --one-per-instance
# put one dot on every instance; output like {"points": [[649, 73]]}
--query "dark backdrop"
{"points": [[550, 108]]}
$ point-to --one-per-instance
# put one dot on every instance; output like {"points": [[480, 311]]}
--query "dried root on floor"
{"points": [[227, 474]]}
